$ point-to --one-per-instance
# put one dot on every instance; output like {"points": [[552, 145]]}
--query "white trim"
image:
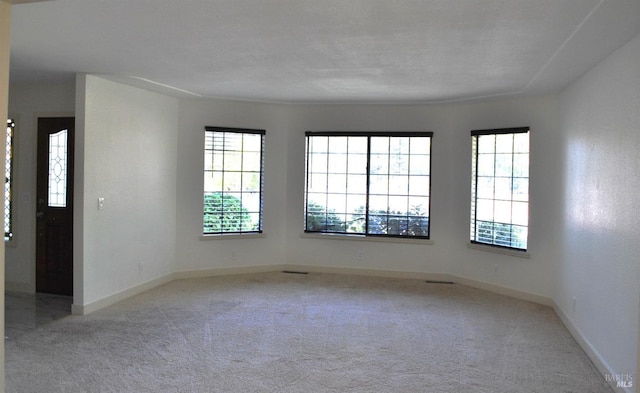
{"points": [[506, 291], [593, 354], [84, 309], [228, 271], [227, 236], [379, 239], [499, 250]]}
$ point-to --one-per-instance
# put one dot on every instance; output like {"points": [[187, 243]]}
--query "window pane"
{"points": [[504, 165], [318, 163], [337, 163], [520, 213], [232, 161], [419, 185], [251, 181], [419, 206], [378, 203], [420, 146], [380, 163], [521, 143], [486, 144], [500, 188], [521, 165], [317, 183], [232, 181], [379, 184], [58, 169], [252, 143], [486, 164], [503, 188], [502, 211], [338, 144], [398, 204], [356, 203], [337, 183], [8, 184], [356, 184], [398, 185], [358, 145], [504, 143], [484, 210], [420, 165], [251, 161], [380, 145], [521, 189], [486, 188], [399, 176], [357, 164]]}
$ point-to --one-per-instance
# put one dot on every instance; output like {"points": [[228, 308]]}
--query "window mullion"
{"points": [[366, 216]]}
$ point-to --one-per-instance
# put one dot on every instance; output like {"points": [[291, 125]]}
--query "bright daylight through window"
{"points": [[8, 180], [500, 187], [372, 184], [233, 168]]}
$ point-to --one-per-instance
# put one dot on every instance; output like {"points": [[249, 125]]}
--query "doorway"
{"points": [[54, 205]]}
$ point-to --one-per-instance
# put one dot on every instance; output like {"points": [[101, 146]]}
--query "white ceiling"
{"points": [[322, 50]]}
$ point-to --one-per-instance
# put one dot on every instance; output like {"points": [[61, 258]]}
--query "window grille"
{"points": [[8, 181], [500, 188], [233, 180], [368, 183]]}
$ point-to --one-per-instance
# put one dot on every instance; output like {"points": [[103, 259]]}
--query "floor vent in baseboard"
{"points": [[438, 282], [293, 272]]}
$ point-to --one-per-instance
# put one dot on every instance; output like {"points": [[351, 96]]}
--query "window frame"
{"points": [[367, 192], [260, 223], [473, 233], [9, 208]]}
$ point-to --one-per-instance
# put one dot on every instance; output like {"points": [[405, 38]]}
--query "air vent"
{"points": [[438, 282]]}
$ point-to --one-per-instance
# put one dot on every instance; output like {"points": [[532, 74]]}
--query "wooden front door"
{"points": [[54, 206]]}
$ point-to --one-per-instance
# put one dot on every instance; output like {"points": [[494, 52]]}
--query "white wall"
{"points": [[128, 139], [26, 103], [196, 254], [601, 208]]}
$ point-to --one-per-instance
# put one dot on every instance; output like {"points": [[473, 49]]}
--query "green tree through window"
{"points": [[368, 183], [233, 168]]}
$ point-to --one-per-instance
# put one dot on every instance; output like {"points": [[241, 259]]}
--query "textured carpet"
{"points": [[281, 332]]}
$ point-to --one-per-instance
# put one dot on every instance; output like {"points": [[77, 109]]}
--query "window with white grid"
{"points": [[500, 188], [368, 183], [233, 180]]}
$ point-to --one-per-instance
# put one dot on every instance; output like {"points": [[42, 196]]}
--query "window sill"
{"points": [[498, 250], [232, 236], [378, 239]]}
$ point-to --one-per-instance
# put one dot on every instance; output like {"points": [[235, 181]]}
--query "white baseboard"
{"points": [[77, 309], [227, 271], [592, 353], [514, 293]]}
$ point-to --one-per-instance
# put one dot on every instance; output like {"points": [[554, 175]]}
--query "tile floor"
{"points": [[26, 312]]}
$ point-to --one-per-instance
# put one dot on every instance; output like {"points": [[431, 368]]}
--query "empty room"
{"points": [[322, 196]]}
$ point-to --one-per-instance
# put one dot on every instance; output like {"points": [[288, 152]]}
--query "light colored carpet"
{"points": [[280, 332]]}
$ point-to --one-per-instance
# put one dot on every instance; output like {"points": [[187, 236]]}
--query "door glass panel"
{"points": [[58, 169]]}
